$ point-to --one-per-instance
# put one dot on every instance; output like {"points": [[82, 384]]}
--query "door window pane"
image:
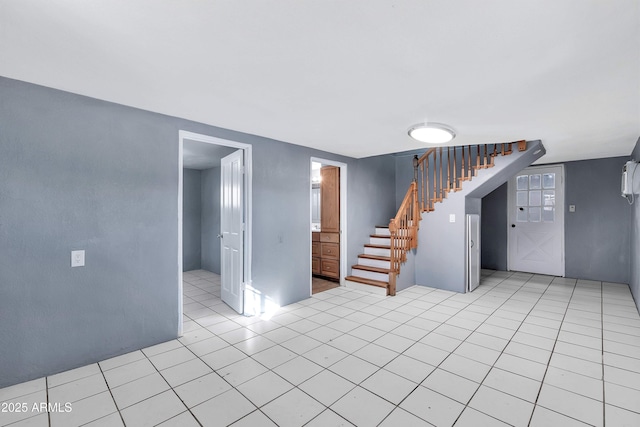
{"points": [[534, 214], [522, 182], [549, 180], [534, 198], [534, 182], [549, 197], [548, 214], [521, 198], [522, 215]]}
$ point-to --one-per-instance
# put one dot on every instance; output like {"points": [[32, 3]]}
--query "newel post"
{"points": [[392, 283], [393, 228], [415, 218]]}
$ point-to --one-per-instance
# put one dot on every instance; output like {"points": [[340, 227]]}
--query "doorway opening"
{"points": [[328, 220], [536, 221], [214, 204]]}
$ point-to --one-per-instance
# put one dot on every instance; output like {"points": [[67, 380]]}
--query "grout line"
{"points": [[604, 406], [46, 387], [171, 387], [552, 352], [111, 394]]}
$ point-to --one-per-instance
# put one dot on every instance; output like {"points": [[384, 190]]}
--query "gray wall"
{"points": [[76, 173], [211, 220], [597, 238], [79, 173], [634, 279], [494, 229], [371, 193], [281, 214], [191, 220]]}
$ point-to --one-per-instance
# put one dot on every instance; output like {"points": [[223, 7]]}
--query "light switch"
{"points": [[572, 208], [77, 258], [452, 217]]}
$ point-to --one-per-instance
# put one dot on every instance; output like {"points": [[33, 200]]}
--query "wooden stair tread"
{"points": [[376, 257], [369, 268], [368, 281], [369, 245], [381, 226], [382, 236]]}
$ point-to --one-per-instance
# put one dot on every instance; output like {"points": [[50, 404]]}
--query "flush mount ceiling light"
{"points": [[432, 133]]}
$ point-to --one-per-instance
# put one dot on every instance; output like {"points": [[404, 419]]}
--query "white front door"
{"points": [[536, 221], [231, 230], [473, 251]]}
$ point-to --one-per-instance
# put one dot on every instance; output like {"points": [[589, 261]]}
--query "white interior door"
{"points": [[232, 230], [536, 221], [473, 251]]}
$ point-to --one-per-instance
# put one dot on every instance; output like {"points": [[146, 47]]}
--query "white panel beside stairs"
{"points": [[382, 231], [384, 241], [373, 262], [373, 275], [365, 288], [381, 251]]}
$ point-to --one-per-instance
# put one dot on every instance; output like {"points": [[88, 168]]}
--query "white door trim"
{"points": [[343, 215], [562, 208], [472, 251], [248, 167]]}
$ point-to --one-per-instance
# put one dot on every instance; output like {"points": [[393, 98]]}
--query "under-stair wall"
{"points": [[440, 255]]}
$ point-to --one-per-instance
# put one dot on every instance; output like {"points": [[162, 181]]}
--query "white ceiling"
{"points": [[349, 77], [201, 155]]}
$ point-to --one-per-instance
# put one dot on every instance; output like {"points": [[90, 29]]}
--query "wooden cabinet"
{"points": [[330, 199], [330, 268], [330, 250], [315, 253], [325, 259]]}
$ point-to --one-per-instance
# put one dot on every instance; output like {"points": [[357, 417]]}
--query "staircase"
{"points": [[437, 172], [371, 273]]}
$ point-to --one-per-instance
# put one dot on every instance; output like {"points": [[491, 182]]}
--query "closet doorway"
{"points": [[214, 214], [328, 224]]}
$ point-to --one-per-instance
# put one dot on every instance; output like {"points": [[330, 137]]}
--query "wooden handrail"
{"points": [[403, 230], [430, 185]]}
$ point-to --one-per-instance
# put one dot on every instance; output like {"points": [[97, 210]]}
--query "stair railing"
{"points": [[403, 230], [443, 169], [436, 173]]}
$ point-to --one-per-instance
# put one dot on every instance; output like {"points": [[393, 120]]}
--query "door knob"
{"points": [[513, 226], [220, 236]]}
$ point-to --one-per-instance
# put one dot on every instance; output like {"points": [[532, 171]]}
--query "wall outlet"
{"points": [[452, 217], [77, 258], [572, 208]]}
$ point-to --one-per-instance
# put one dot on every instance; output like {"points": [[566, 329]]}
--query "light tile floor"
{"points": [[520, 350]]}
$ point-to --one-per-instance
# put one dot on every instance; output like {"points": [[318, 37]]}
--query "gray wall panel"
{"points": [[76, 173], [371, 200], [211, 219], [597, 238], [191, 219], [494, 229]]}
